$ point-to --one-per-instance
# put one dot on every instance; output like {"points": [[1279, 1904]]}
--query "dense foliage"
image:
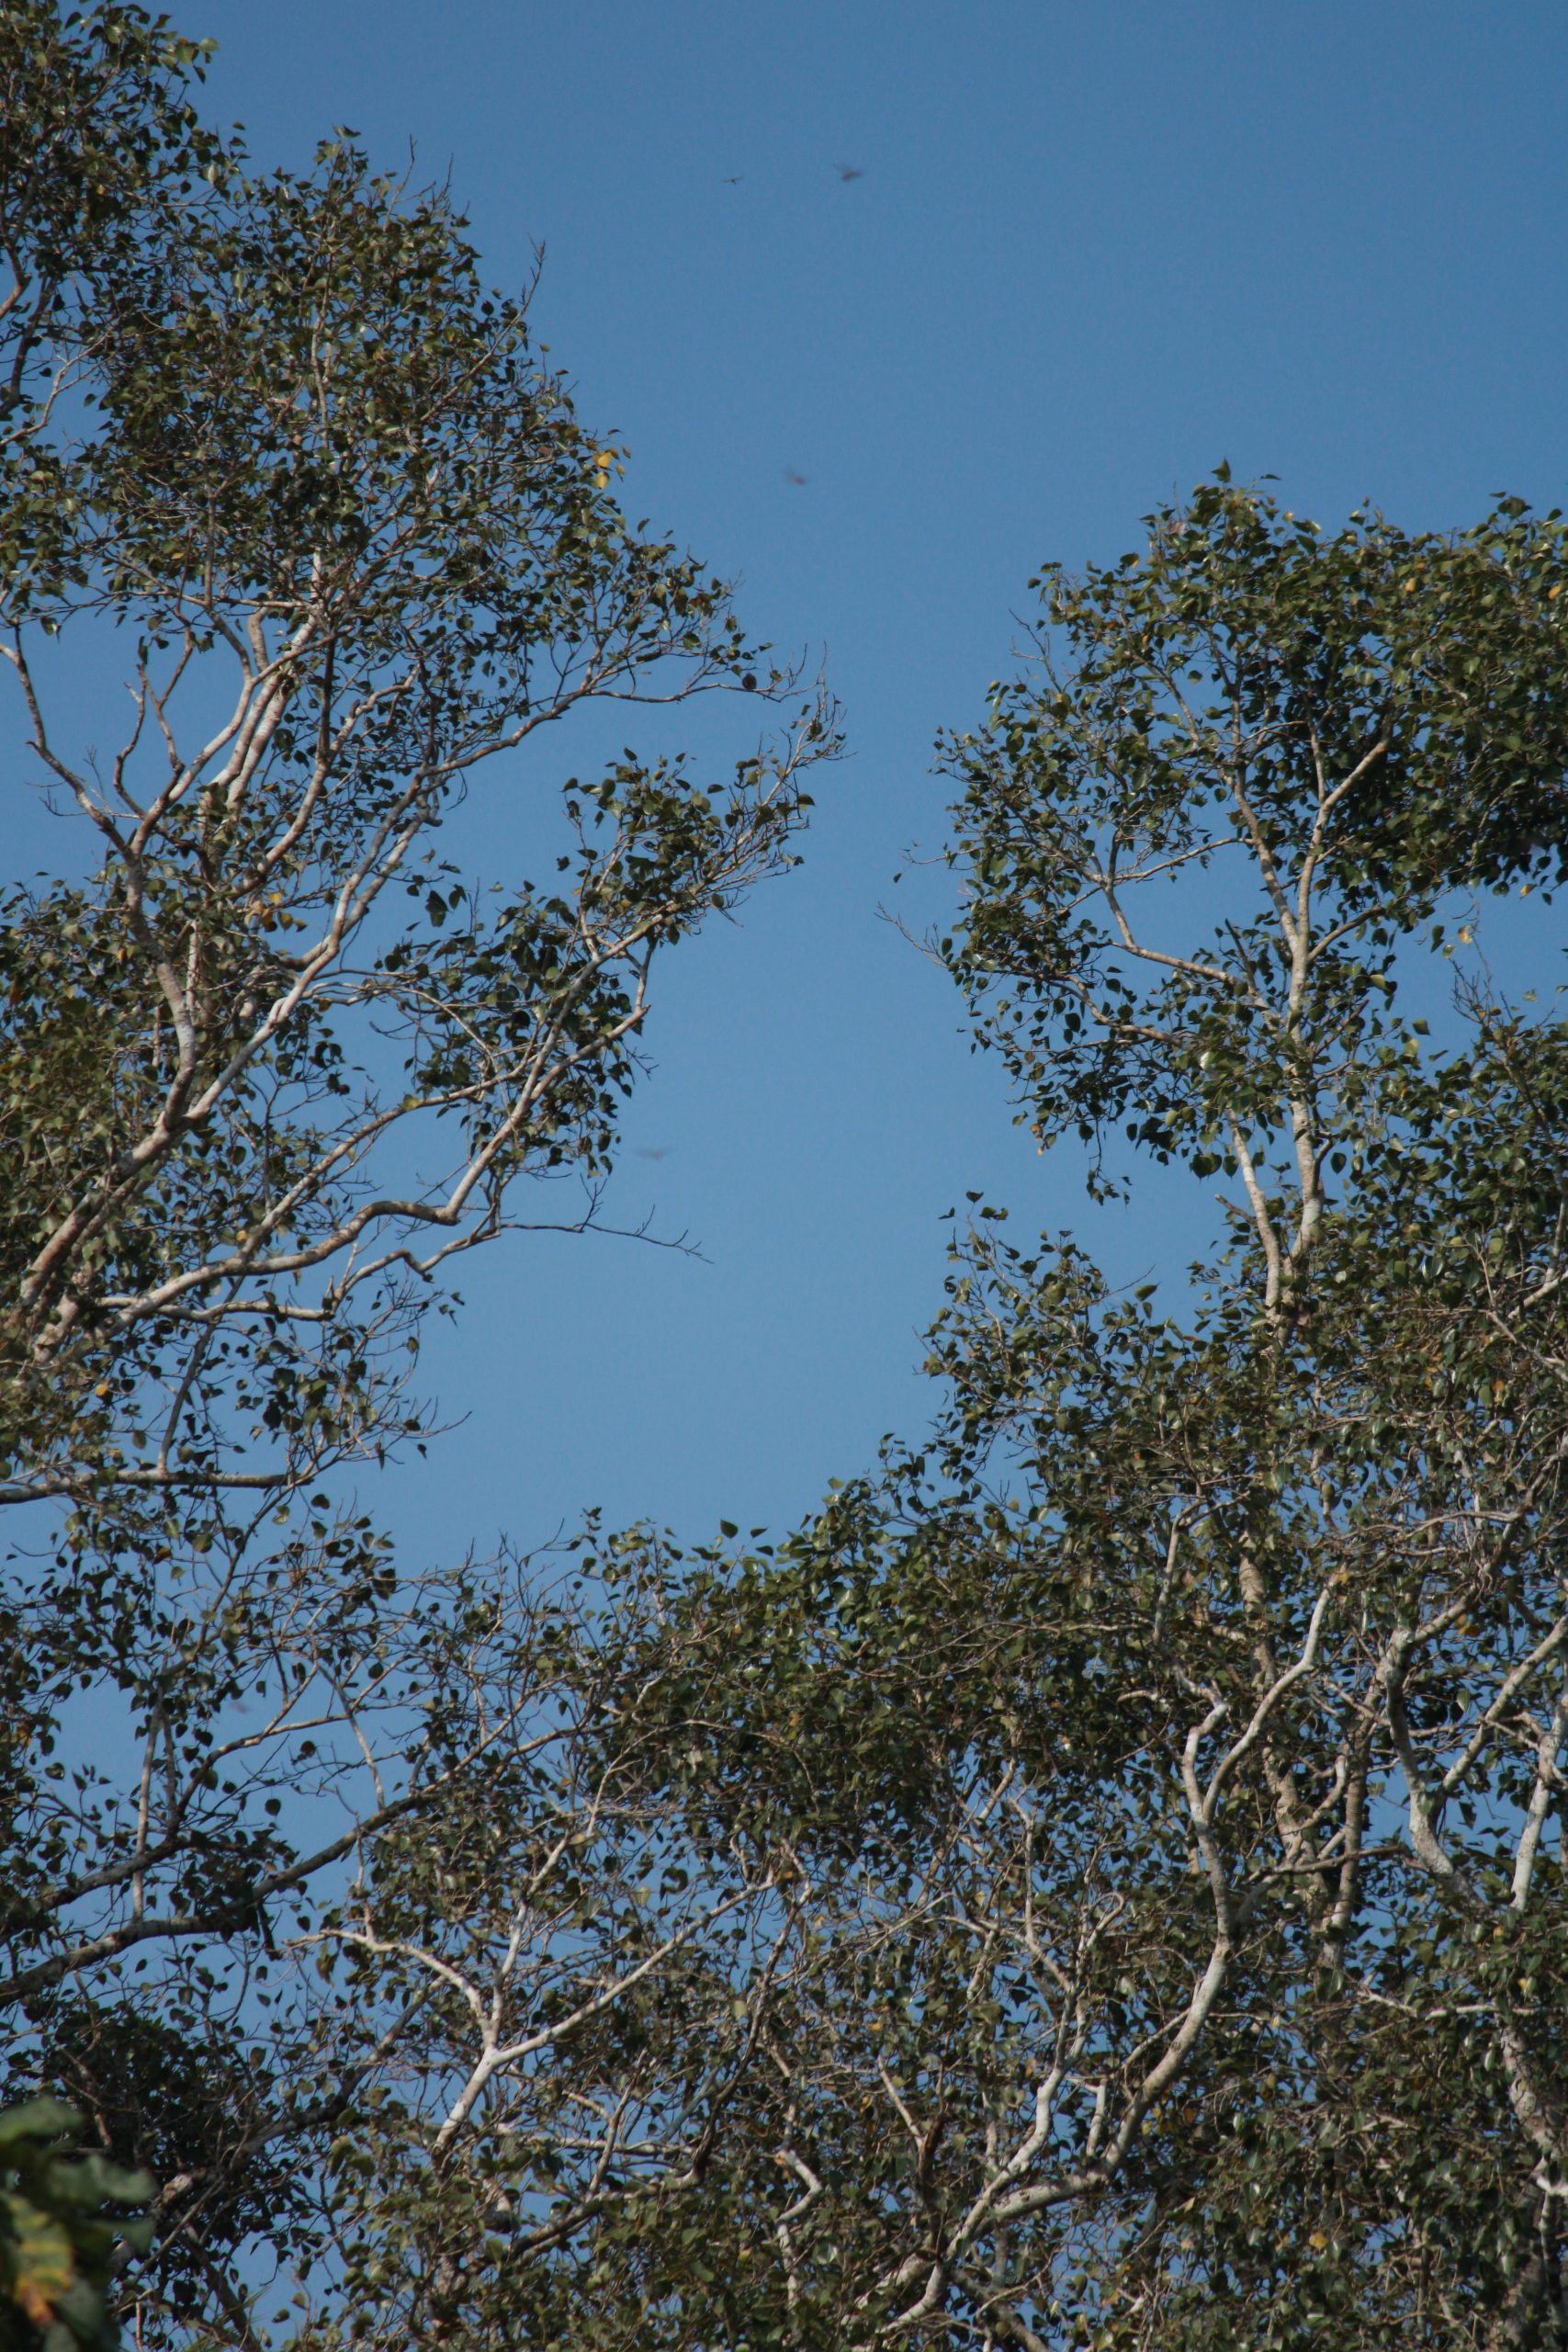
{"points": [[68, 2218]]}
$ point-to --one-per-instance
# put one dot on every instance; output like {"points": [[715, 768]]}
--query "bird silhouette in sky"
{"points": [[734, 179], [850, 172], [662, 1152], [798, 480]]}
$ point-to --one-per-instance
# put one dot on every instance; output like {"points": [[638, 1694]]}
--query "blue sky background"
{"points": [[1097, 246]]}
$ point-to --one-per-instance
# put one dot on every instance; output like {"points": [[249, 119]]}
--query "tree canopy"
{"points": [[1101, 1881], [1171, 1746]]}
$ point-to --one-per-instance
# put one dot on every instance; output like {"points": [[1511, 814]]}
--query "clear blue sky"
{"points": [[1097, 246]]}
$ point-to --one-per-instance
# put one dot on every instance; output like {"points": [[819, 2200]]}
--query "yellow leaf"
{"points": [[41, 2259], [1317, 2240]]}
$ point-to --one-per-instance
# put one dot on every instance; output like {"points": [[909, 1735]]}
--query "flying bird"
{"points": [[850, 172], [799, 481], [734, 179]]}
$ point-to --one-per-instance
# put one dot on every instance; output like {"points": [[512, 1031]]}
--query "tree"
{"points": [[1103, 1880], [273, 1059], [1172, 1748]]}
